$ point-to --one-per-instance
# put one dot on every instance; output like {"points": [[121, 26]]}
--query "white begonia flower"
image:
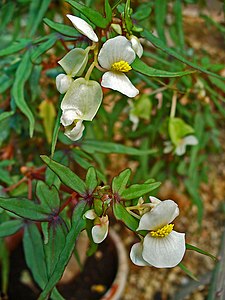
{"points": [[63, 83], [116, 55], [76, 132], [162, 247], [180, 149], [136, 45], [100, 230], [83, 27]]}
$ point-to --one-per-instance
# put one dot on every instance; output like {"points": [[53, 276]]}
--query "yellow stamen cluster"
{"points": [[162, 232], [121, 66]]}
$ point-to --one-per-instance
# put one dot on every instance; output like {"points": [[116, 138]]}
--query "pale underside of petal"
{"points": [[136, 255], [190, 140], [136, 45], [99, 232], [83, 27], [164, 252], [115, 50], [76, 133], [181, 149], [90, 214], [118, 81], [162, 214]]}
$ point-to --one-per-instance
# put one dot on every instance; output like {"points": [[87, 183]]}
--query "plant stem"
{"points": [[173, 106]]}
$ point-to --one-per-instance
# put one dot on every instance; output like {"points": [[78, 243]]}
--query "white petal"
{"points": [[164, 252], [162, 214], [81, 101], [76, 133], [180, 150], [168, 147], [63, 83], [83, 27], [136, 255], [115, 50], [190, 140], [90, 214], [154, 200], [118, 81], [100, 231], [136, 45]]}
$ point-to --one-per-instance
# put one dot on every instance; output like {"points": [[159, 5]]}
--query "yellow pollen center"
{"points": [[121, 66], [162, 232]]}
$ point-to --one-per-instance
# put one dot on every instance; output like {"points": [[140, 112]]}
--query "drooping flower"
{"points": [[136, 45], [162, 247], [83, 27], [63, 83], [100, 229], [116, 55], [81, 102], [180, 149]]}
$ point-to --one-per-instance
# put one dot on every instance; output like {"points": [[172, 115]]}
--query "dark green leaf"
{"points": [[5, 82], [48, 196], [141, 67], [24, 208], [191, 247], [91, 179], [15, 47], [22, 74], [159, 44], [143, 11], [138, 190], [10, 227], [123, 215], [61, 28], [5, 266], [42, 48], [67, 177], [160, 18], [108, 11], [119, 182], [55, 132]]}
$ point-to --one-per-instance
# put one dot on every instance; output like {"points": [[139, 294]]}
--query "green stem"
{"points": [[173, 106]]}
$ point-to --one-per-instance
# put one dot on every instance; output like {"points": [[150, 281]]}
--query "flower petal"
{"points": [[162, 214], [76, 133], [70, 115], [119, 82], [164, 252], [63, 83], [100, 231], [136, 255], [136, 45], [115, 50], [90, 214], [190, 140], [83, 27]]}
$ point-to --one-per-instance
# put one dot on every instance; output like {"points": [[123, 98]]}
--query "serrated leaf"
{"points": [[91, 179], [141, 67], [92, 146], [25, 208], [159, 44], [48, 114], [62, 28], [15, 47], [22, 74], [78, 224], [119, 182], [123, 215], [10, 227], [48, 196], [194, 248], [138, 190], [94, 16]]}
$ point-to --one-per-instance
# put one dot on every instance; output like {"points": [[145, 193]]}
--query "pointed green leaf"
{"points": [[61, 28], [67, 177], [10, 227], [138, 190], [141, 67], [43, 47], [91, 179], [6, 115], [15, 47], [108, 11], [123, 215], [188, 272], [119, 182], [191, 247], [48, 196]]}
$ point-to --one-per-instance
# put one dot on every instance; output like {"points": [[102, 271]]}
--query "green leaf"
{"points": [[25, 208], [22, 74], [94, 16], [48, 114], [10, 227], [138, 190], [108, 11], [191, 247], [5, 82], [119, 182], [141, 67], [48, 196], [92, 146], [123, 215], [127, 16], [188, 272], [178, 129], [43, 47], [67, 177], [15, 47], [78, 224], [159, 44], [143, 11], [5, 266], [61, 28], [56, 131], [160, 18], [91, 179]]}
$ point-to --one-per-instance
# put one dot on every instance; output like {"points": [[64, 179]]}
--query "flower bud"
{"points": [[63, 83]]}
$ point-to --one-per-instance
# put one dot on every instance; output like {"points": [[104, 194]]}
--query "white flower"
{"points": [[63, 83], [116, 55], [76, 132], [180, 149], [100, 229], [162, 247], [136, 45], [83, 27]]}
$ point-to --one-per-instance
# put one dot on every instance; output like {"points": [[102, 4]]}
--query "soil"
{"points": [[97, 276]]}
